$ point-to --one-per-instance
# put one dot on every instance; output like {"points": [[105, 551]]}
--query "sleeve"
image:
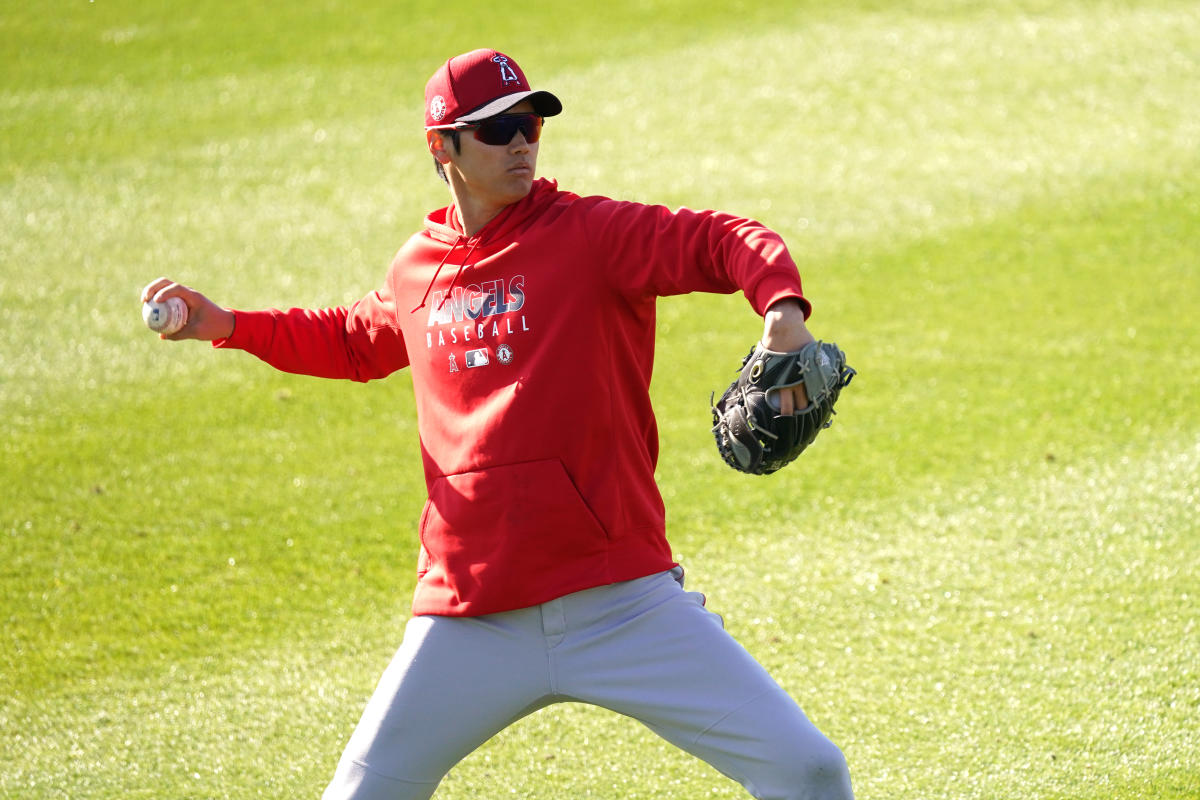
{"points": [[362, 342], [651, 250]]}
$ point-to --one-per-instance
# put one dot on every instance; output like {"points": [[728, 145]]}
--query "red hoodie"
{"points": [[531, 356]]}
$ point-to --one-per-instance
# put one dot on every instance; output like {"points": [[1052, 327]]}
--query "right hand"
{"points": [[206, 320], [784, 332]]}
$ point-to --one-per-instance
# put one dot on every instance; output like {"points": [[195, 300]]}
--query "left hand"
{"points": [[784, 331]]}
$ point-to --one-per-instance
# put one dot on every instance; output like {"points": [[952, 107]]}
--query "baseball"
{"points": [[166, 317]]}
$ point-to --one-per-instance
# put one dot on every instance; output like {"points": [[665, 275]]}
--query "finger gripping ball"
{"points": [[166, 317]]}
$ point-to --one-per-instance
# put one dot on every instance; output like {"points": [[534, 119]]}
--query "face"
{"points": [[490, 175]]}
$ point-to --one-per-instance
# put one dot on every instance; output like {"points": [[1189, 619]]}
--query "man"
{"points": [[526, 315]]}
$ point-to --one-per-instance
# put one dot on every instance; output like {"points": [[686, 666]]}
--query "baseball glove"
{"points": [[752, 436]]}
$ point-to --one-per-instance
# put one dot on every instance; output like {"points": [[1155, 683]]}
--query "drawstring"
{"points": [[454, 280], [438, 271], [466, 260], [433, 280]]}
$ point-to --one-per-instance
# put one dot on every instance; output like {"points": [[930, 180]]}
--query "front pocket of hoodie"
{"points": [[494, 526]]}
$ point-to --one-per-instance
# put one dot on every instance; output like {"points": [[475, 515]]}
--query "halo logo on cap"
{"points": [[437, 108], [507, 75]]}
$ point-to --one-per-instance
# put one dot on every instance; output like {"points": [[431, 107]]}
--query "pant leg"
{"points": [[453, 684], [659, 656]]}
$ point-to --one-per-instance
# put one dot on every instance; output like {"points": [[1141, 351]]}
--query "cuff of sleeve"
{"points": [[773, 288], [248, 328]]}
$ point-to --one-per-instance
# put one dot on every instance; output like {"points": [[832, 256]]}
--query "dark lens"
{"points": [[501, 130]]}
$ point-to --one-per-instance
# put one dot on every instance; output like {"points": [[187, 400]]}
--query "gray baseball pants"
{"points": [[643, 648]]}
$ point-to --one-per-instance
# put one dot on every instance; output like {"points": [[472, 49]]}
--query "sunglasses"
{"points": [[500, 130]]}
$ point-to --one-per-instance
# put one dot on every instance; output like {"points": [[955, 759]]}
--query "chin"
{"points": [[517, 188]]}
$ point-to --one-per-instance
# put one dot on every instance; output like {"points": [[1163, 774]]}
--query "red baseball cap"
{"points": [[478, 85]]}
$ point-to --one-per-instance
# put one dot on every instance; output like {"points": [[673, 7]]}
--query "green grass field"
{"points": [[983, 582]]}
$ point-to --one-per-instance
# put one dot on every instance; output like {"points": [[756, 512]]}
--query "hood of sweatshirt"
{"points": [[443, 226]]}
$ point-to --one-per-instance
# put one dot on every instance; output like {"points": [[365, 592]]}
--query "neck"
{"points": [[474, 212]]}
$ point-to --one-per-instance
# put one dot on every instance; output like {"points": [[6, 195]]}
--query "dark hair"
{"points": [[441, 171]]}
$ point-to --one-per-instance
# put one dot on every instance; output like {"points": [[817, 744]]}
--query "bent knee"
{"points": [[823, 774], [817, 770], [827, 775]]}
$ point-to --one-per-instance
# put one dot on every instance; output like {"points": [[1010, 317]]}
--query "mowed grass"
{"points": [[981, 582]]}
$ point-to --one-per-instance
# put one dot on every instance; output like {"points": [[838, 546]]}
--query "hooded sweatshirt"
{"points": [[531, 346]]}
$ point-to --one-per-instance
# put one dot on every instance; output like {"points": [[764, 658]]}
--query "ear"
{"points": [[437, 146]]}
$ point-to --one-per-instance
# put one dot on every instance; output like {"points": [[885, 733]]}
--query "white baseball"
{"points": [[166, 317]]}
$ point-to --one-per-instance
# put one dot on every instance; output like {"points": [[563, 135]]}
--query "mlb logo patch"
{"points": [[477, 358]]}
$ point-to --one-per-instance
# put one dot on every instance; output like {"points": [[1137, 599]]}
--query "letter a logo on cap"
{"points": [[506, 72]]}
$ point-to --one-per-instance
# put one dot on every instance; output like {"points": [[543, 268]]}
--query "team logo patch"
{"points": [[437, 108], [507, 75], [477, 358], [504, 354]]}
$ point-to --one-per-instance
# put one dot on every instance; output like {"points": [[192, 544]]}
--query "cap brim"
{"points": [[544, 105]]}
